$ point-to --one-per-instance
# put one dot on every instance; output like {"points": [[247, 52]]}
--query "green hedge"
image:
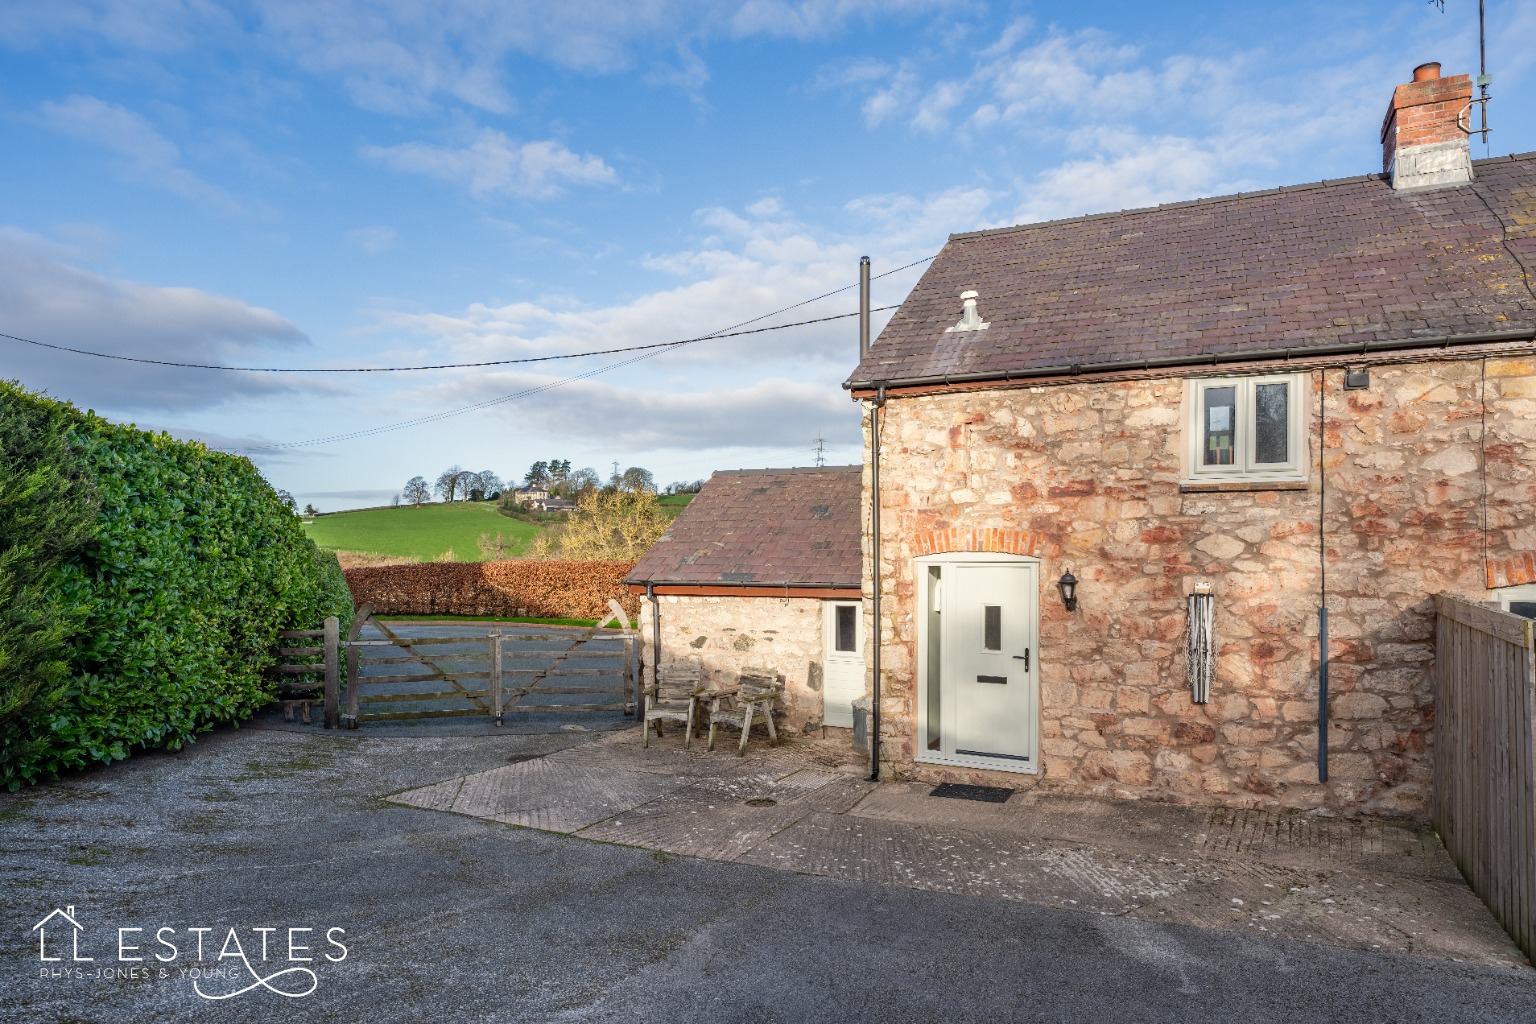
{"points": [[155, 576]]}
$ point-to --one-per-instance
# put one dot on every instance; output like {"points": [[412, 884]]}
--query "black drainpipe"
{"points": [[874, 516], [650, 592], [1322, 565]]}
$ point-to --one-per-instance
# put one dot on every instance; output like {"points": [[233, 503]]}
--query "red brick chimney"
{"points": [[1422, 141]]}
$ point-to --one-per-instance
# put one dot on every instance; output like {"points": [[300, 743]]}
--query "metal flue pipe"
{"points": [[863, 307]]}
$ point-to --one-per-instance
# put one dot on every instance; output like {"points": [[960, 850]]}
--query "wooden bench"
{"points": [[751, 700]]}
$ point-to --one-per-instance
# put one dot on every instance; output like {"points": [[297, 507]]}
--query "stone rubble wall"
{"points": [[1093, 471], [729, 634]]}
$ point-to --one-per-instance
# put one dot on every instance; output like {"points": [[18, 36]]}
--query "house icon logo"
{"points": [[50, 923]]}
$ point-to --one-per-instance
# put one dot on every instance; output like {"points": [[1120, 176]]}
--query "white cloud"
{"points": [[46, 296], [779, 388], [147, 156], [153, 26], [773, 411], [811, 19], [374, 239], [1128, 172], [494, 163], [1131, 130], [690, 74], [405, 56]]}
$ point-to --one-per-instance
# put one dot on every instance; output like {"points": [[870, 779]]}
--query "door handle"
{"points": [[1024, 658]]}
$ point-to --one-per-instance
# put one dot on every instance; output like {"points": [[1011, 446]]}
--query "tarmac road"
{"points": [[458, 919]]}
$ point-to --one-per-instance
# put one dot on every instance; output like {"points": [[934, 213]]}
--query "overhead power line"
{"points": [[733, 331], [435, 366]]}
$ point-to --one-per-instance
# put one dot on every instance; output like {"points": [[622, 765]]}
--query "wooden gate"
{"points": [[411, 670], [1484, 804]]}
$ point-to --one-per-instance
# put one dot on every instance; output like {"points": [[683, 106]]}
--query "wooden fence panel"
{"points": [[1484, 802]]}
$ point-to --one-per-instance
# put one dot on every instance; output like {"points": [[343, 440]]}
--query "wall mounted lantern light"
{"points": [[1068, 587]]}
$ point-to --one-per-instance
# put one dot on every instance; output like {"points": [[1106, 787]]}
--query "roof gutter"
{"points": [[1362, 349], [734, 584]]}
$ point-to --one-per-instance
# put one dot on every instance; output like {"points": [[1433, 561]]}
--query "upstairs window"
{"points": [[1247, 429]]}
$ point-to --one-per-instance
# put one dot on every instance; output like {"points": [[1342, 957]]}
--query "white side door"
{"points": [[987, 665], [842, 661]]}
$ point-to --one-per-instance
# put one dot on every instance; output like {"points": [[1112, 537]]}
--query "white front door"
{"points": [[978, 658], [842, 660]]}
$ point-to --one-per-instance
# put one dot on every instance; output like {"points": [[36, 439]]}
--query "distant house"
{"points": [[1319, 396], [761, 569], [530, 495]]}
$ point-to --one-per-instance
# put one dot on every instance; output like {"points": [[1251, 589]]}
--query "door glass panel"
{"points": [[1526, 608], [1271, 423], [1220, 419], [847, 629], [992, 627], [935, 659]]}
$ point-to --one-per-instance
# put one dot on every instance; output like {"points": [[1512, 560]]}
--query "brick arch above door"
{"points": [[1008, 542]]}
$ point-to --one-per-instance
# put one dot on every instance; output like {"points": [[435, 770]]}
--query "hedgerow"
{"points": [[547, 589], [164, 614]]}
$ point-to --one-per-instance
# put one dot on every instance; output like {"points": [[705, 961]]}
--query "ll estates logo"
{"points": [[220, 963]]}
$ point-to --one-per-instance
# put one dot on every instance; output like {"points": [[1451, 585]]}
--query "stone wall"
{"points": [[1091, 473], [729, 634]]}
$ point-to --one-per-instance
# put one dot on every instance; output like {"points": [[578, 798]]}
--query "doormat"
{"points": [[960, 791]]}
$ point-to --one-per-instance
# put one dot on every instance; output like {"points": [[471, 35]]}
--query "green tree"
{"points": [[47, 512]]}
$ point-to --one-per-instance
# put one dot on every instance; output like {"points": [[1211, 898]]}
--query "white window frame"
{"points": [[1506, 595], [1244, 468]]}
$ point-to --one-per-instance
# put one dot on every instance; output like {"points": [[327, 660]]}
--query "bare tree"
{"points": [[487, 483], [287, 499], [583, 481], [416, 490], [615, 525], [448, 482], [637, 480]]}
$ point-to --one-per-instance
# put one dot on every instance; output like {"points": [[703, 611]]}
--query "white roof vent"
{"points": [[970, 320]]}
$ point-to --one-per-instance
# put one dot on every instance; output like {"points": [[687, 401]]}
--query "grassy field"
{"points": [[424, 533], [674, 503]]}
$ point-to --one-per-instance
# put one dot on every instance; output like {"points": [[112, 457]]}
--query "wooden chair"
{"points": [[751, 700], [673, 695]]}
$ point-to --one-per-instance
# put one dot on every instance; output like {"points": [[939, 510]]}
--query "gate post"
{"points": [[332, 672], [631, 706], [495, 639]]}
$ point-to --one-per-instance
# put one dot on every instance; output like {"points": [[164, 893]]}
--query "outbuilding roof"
{"points": [[1308, 266], [764, 527]]}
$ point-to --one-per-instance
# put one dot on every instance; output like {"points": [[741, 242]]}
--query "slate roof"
{"points": [[759, 527], [1347, 261]]}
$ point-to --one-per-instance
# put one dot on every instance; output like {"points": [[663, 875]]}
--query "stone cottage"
{"points": [[1122, 463], [761, 569]]}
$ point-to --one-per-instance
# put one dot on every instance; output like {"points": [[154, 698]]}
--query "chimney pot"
{"points": [[1423, 142]]}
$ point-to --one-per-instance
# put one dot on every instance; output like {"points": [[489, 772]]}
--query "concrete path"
{"points": [[458, 918], [808, 808]]}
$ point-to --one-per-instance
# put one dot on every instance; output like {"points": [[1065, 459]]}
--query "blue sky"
{"points": [[313, 184]]}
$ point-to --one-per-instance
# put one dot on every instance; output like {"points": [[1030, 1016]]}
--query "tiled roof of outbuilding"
{"points": [[759, 527], [1337, 262]]}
